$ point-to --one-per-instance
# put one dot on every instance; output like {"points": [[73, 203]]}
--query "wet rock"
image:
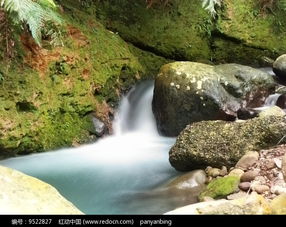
{"points": [[260, 189], [245, 113], [189, 180], [247, 160], [99, 127], [250, 85], [219, 143], [187, 92], [279, 67], [281, 101], [244, 186], [249, 176]]}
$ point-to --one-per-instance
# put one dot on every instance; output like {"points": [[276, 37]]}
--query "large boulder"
{"points": [[218, 143], [279, 67], [187, 92], [23, 194], [183, 30]]}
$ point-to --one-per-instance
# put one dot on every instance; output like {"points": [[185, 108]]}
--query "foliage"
{"points": [[32, 15]]}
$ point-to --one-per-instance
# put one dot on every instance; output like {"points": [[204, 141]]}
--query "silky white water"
{"points": [[106, 177]]}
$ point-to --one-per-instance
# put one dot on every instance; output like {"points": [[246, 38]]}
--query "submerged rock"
{"points": [[23, 194], [187, 92], [218, 143]]}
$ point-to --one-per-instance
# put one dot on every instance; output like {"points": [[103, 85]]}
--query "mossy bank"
{"points": [[48, 94], [242, 32]]}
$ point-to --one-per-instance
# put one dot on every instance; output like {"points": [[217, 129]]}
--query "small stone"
{"points": [[260, 179], [223, 171], [177, 86], [278, 190], [247, 160], [269, 164], [244, 186], [283, 166], [249, 176], [260, 189], [213, 172], [278, 162], [236, 172]]}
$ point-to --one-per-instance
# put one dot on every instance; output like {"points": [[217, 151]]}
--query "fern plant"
{"points": [[34, 14]]}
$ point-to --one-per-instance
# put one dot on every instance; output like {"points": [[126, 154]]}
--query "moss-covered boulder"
{"points": [[47, 94], [187, 92], [179, 30], [23, 194], [246, 31], [243, 31], [221, 187], [218, 143]]}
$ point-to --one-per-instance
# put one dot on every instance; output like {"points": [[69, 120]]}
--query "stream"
{"points": [[117, 174]]}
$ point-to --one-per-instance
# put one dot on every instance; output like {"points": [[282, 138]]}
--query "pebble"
{"points": [[249, 176], [236, 172], [244, 186], [278, 162], [278, 190], [260, 189], [260, 179], [269, 164], [283, 167], [247, 160]]}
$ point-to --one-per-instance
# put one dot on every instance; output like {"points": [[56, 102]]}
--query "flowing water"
{"points": [[111, 175]]}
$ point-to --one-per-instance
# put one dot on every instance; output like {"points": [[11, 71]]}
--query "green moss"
{"points": [[221, 187], [180, 30], [254, 30], [46, 105]]}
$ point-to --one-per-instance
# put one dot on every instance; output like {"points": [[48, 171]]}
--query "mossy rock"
{"points": [[221, 187], [252, 32], [220, 143], [46, 99], [187, 92], [174, 31]]}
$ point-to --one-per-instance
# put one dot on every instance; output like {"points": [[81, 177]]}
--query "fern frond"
{"points": [[33, 13]]}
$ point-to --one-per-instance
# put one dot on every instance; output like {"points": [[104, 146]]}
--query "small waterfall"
{"points": [[106, 177]]}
